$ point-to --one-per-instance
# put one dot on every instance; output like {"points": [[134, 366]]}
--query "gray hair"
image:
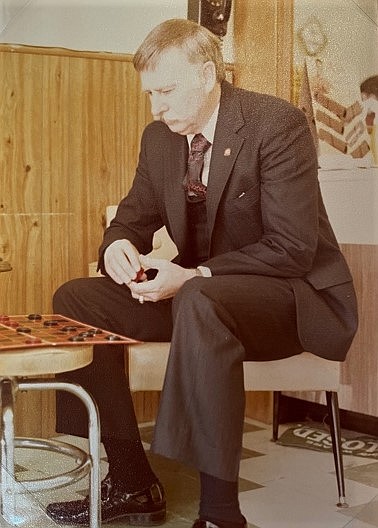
{"points": [[199, 44]]}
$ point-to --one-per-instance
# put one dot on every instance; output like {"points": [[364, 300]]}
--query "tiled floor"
{"points": [[280, 487]]}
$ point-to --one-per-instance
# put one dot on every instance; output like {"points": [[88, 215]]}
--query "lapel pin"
{"points": [[227, 152]]}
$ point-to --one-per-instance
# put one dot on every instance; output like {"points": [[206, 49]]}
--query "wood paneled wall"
{"points": [[71, 128], [264, 46], [70, 131]]}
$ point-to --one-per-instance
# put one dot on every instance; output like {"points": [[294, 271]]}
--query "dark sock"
{"points": [[219, 502], [128, 464]]}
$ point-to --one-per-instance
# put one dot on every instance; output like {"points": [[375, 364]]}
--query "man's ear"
{"points": [[209, 75]]}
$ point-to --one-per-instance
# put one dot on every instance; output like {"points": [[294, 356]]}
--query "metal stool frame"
{"points": [[87, 462]]}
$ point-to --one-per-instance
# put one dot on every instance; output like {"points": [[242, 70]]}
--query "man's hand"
{"points": [[121, 260], [169, 279]]}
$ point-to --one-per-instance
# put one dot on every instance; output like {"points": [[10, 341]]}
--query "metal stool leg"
{"points": [[276, 414], [7, 451], [333, 409], [93, 437], [8, 387]]}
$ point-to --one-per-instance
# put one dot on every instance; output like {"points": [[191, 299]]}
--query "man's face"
{"points": [[179, 91]]}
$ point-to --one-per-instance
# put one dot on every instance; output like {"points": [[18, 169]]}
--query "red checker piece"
{"points": [[139, 275], [33, 341]]}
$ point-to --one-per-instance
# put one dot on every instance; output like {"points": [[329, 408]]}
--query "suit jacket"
{"points": [[264, 208]]}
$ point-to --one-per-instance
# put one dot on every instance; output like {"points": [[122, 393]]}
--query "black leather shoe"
{"points": [[143, 508], [199, 523]]}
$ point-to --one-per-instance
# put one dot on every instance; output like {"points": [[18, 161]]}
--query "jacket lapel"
{"points": [[173, 189], [227, 144]]}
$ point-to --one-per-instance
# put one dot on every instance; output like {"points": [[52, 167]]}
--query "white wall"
{"points": [[351, 30], [97, 25]]}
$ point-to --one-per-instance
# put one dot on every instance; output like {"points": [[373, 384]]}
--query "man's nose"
{"points": [[158, 106]]}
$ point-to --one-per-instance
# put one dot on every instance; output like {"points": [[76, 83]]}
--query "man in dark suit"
{"points": [[259, 275]]}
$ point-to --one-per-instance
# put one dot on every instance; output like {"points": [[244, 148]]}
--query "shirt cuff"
{"points": [[204, 271]]}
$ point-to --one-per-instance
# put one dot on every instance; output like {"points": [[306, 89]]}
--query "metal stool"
{"points": [[15, 365]]}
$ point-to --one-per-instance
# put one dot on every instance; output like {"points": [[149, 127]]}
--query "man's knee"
{"points": [[191, 298], [71, 291], [188, 292]]}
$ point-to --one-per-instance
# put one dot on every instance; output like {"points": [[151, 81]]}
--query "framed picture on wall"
{"points": [[333, 105]]}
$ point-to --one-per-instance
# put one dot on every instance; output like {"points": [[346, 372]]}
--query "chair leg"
{"points": [[276, 414], [7, 488], [333, 410]]}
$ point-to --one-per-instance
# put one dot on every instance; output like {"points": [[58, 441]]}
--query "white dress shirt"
{"points": [[208, 132]]}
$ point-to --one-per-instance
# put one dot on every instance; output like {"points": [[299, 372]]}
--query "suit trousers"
{"points": [[214, 324]]}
